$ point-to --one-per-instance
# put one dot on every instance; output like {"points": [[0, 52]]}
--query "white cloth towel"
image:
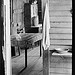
{"points": [[46, 28]]}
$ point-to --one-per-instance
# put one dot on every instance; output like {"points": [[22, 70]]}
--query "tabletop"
{"points": [[26, 39]]}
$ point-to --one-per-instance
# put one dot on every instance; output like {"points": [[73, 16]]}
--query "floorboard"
{"points": [[59, 65]]}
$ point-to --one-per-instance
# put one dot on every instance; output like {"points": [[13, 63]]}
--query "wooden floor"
{"points": [[59, 65]]}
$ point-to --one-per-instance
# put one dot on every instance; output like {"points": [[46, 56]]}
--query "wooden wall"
{"points": [[18, 10], [60, 19], [17, 13], [61, 23]]}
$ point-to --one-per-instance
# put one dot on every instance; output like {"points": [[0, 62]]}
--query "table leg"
{"points": [[40, 49], [25, 62], [19, 50], [25, 57]]}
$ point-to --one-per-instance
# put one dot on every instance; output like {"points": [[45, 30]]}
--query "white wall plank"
{"points": [[61, 36], [61, 19], [60, 13], [60, 1], [61, 65], [61, 70], [60, 30], [60, 7], [61, 42], [59, 46], [19, 4], [14, 4], [18, 10], [61, 25]]}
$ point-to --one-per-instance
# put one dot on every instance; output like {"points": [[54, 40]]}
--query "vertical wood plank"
{"points": [[8, 44], [46, 54], [46, 62]]}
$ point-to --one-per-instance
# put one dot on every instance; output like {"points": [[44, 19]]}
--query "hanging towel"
{"points": [[46, 28]]}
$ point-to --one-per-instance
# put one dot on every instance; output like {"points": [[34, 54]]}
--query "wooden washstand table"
{"points": [[26, 40]]}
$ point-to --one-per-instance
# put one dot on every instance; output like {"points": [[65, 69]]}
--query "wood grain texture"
{"points": [[61, 2], [61, 65], [61, 59], [60, 31], [60, 46], [61, 42], [19, 4], [61, 19], [19, 18], [35, 64], [59, 8], [14, 4], [61, 36], [60, 14], [46, 62], [18, 10], [61, 70], [15, 17], [61, 25], [59, 74]]}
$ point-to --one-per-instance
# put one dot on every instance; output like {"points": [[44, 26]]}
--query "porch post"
{"points": [[8, 40], [46, 53]]}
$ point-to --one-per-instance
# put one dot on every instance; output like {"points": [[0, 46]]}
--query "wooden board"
{"points": [[46, 62], [61, 25], [61, 30], [15, 18], [59, 46], [19, 4], [61, 19], [60, 14], [61, 36], [60, 59], [61, 70], [19, 17], [61, 42], [60, 1], [18, 11], [60, 8], [14, 4], [59, 74], [61, 65]]}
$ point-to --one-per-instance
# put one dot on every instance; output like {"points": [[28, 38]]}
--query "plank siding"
{"points": [[62, 36], [14, 4], [60, 14], [61, 2], [61, 42], [18, 12], [59, 8], [61, 70], [60, 30], [15, 17], [61, 19], [60, 46], [61, 23]]}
